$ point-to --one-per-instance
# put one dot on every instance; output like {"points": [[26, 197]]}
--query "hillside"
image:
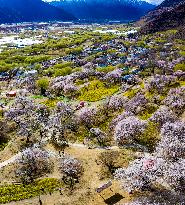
{"points": [[168, 15], [7, 15], [168, 3], [30, 10], [101, 10], [88, 111]]}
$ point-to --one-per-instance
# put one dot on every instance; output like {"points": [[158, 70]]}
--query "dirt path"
{"points": [[75, 145], [10, 161], [85, 192]]}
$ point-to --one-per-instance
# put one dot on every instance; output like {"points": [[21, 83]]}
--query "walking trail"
{"points": [[15, 157]]}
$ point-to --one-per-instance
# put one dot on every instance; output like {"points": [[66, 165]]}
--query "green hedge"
{"points": [[19, 192]]}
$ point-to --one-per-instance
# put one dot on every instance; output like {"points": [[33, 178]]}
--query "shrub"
{"points": [[180, 66], [43, 84], [71, 169], [129, 129], [163, 115], [60, 66], [77, 69], [50, 102], [96, 91], [131, 93], [32, 163], [106, 69], [149, 110], [14, 192], [63, 72], [112, 160], [150, 136]]}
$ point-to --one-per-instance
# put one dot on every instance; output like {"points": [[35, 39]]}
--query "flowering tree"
{"points": [[114, 76], [174, 175], [57, 123], [29, 117], [176, 100], [33, 163], [172, 143], [163, 115], [165, 167], [160, 83], [119, 118], [180, 75], [165, 66], [99, 135], [165, 198], [140, 174], [63, 84], [70, 90], [87, 116], [115, 103], [71, 170], [128, 129], [136, 103], [21, 113], [28, 82], [171, 148]]}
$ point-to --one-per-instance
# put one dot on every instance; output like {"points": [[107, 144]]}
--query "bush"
{"points": [[63, 65], [131, 93], [106, 69], [43, 83], [112, 160], [180, 66], [14, 192], [150, 137], [149, 110], [63, 72], [36, 59], [50, 102], [182, 53], [77, 69], [96, 91]]}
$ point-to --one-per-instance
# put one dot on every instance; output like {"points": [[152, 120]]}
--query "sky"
{"points": [[156, 2]]}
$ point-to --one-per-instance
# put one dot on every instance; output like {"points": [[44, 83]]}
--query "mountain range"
{"points": [[94, 10], [168, 15], [30, 10]]}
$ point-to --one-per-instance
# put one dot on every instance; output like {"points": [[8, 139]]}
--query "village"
{"points": [[84, 106]]}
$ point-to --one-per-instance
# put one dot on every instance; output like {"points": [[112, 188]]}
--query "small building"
{"points": [[11, 94]]}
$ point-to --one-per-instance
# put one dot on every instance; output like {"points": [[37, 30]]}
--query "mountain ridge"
{"points": [[168, 15], [101, 9], [30, 10]]}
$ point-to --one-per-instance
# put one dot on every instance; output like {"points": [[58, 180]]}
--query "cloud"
{"points": [[155, 1]]}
